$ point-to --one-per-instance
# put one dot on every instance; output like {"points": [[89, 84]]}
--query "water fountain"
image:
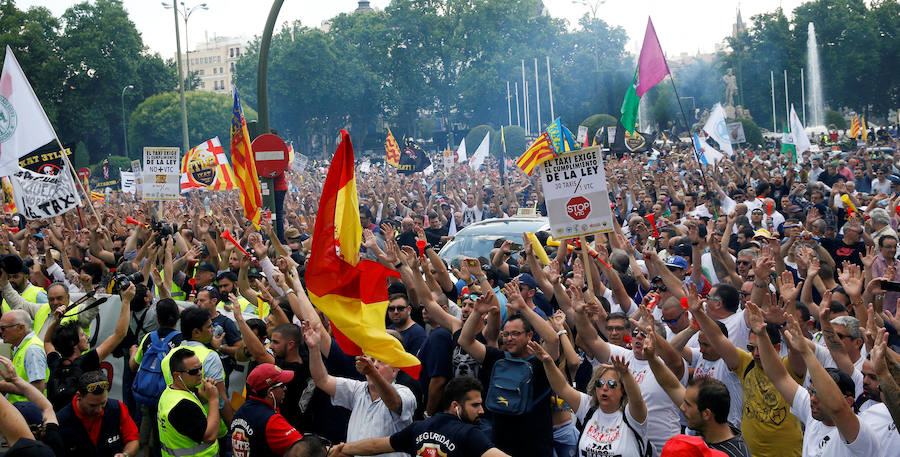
{"points": [[814, 72]]}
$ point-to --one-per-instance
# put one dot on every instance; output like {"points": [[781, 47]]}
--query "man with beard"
{"points": [[450, 433]]}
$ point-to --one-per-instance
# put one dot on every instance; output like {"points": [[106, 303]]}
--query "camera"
{"points": [[163, 232], [123, 280]]}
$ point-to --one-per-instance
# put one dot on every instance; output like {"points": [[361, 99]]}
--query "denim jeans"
{"points": [[565, 440]]}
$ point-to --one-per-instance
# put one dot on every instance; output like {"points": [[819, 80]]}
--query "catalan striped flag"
{"points": [[244, 164], [555, 140], [863, 130], [854, 127], [206, 167], [391, 150], [351, 292], [98, 196], [540, 151]]}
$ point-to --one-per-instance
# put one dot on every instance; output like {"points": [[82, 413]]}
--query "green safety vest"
{"points": [[18, 361], [173, 443], [200, 351], [242, 303], [177, 293], [30, 294]]}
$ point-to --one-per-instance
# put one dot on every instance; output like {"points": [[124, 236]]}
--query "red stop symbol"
{"points": [[578, 208]]}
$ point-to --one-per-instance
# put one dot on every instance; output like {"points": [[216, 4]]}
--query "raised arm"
{"points": [[557, 380], [540, 326], [252, 344], [664, 376], [771, 362], [317, 370], [111, 342], [484, 305], [723, 345]]}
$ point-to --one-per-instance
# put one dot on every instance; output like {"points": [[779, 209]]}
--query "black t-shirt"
{"points": [[53, 439], [232, 337], [188, 419], [433, 235], [61, 368], [407, 238], [841, 251], [734, 446], [293, 411], [443, 435], [435, 357], [530, 433], [26, 447]]}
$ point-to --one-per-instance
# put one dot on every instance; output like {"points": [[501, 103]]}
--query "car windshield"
{"points": [[478, 240]]}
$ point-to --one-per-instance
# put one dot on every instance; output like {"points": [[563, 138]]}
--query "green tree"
{"points": [[596, 122], [752, 132], [476, 136], [157, 120], [102, 52], [81, 157], [835, 118], [515, 141]]}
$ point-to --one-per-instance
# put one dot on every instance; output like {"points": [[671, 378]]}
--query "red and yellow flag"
{"points": [[391, 150], [351, 292], [540, 151], [854, 127], [863, 130], [244, 164], [206, 167]]}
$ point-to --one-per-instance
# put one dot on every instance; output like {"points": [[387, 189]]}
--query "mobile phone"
{"points": [[218, 330], [890, 286]]}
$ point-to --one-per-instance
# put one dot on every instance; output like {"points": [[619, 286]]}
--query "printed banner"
{"points": [[40, 196], [576, 194], [138, 177], [299, 163], [736, 132], [160, 174], [128, 182]]}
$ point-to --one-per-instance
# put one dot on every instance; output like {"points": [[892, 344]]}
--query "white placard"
{"points": [[582, 134], [41, 196], [128, 181], [576, 194], [161, 174], [299, 163], [138, 179]]}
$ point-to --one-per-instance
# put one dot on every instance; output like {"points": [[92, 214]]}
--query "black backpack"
{"points": [[63, 383], [645, 448]]}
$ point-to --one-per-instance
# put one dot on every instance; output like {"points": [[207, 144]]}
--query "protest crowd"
{"points": [[745, 308]]}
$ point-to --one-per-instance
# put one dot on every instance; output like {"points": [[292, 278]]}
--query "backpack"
{"points": [[645, 448], [149, 383], [63, 383], [512, 387]]}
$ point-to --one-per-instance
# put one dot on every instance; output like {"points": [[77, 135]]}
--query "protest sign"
{"points": [[160, 174], [138, 177], [299, 163], [736, 132], [40, 196], [576, 194], [128, 182], [582, 134]]}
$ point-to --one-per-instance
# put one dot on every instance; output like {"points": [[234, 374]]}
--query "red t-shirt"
{"points": [[92, 424], [280, 434]]}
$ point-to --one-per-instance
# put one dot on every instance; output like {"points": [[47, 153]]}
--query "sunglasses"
{"points": [[514, 333], [396, 308], [97, 387], [611, 383], [193, 371], [744, 262], [4, 327], [751, 347], [637, 332], [672, 321]]}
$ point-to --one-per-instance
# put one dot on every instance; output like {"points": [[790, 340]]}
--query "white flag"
{"points": [[24, 126], [713, 155], [461, 152], [717, 129], [481, 153], [801, 141]]}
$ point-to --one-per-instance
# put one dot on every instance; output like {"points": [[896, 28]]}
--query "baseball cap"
{"points": [[763, 233], [267, 375], [291, 233], [30, 412], [677, 262], [526, 279], [206, 266], [688, 446]]}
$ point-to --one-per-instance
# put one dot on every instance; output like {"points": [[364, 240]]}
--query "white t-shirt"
{"points": [[663, 416], [879, 420], [606, 434], [615, 307], [820, 440], [738, 332], [718, 369], [472, 214]]}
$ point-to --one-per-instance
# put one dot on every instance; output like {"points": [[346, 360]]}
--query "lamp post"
{"points": [[124, 121], [184, 124], [186, 13]]}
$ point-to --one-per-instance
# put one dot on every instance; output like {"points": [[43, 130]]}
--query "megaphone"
{"points": [[850, 206], [227, 235], [13, 229], [133, 221]]}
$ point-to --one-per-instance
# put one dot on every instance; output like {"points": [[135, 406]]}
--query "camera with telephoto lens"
{"points": [[123, 280]]}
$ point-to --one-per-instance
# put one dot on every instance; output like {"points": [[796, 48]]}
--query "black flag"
{"points": [[637, 142], [412, 158]]}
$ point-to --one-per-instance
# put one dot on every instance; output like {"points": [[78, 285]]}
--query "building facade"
{"points": [[213, 63]]}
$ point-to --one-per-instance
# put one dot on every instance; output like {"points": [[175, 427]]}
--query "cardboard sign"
{"points": [[576, 194], [161, 174], [40, 196]]}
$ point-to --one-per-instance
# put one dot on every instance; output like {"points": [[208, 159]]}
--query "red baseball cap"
{"points": [[268, 375], [688, 446]]}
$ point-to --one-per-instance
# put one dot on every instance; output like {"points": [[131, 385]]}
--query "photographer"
{"points": [[67, 351], [57, 294]]}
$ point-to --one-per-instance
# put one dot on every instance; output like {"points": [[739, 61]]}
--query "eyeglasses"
{"points": [[97, 387], [4, 327], [396, 308], [751, 347], [193, 371], [513, 333], [744, 262], [279, 385], [615, 328], [843, 336], [611, 383], [637, 332]]}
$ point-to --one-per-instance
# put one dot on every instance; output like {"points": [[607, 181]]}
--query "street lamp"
{"points": [[184, 124], [124, 122], [186, 12], [593, 6]]}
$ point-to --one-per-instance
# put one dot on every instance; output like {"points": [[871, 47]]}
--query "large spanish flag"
{"points": [[351, 292], [244, 164]]}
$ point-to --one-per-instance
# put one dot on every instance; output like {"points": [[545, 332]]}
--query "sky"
{"points": [[683, 26]]}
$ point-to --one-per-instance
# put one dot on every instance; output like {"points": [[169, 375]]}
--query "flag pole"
{"points": [[518, 118], [537, 92], [772, 78], [550, 89], [62, 152], [524, 97], [508, 105]]}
